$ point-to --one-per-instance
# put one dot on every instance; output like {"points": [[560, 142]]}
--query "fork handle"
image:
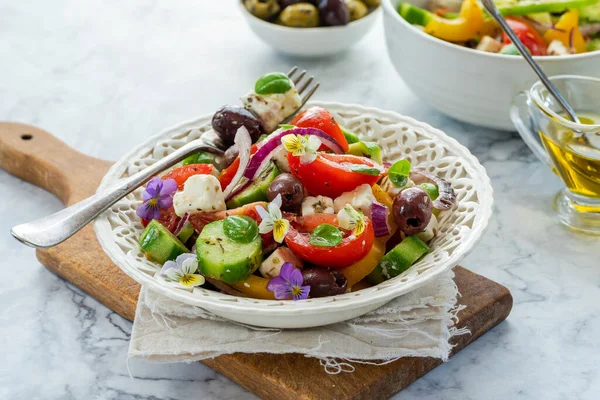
{"points": [[58, 227]]}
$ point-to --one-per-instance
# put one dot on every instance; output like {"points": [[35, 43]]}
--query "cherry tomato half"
{"points": [[181, 174], [318, 117], [228, 173], [331, 174], [167, 218], [527, 34], [352, 249]]}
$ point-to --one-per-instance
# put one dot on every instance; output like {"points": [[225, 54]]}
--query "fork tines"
{"points": [[305, 87]]}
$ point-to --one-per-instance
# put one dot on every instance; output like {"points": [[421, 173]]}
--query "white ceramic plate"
{"points": [[118, 228]]}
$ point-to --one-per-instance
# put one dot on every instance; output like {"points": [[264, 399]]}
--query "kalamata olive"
{"points": [[412, 210], [334, 12], [290, 189], [229, 156], [263, 9], [324, 282], [229, 119], [357, 9], [300, 15]]}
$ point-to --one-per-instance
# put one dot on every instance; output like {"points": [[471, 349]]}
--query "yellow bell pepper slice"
{"points": [[382, 196], [467, 26], [360, 269], [567, 25], [255, 287]]}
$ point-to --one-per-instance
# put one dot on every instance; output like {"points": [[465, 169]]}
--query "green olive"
{"points": [[357, 9], [263, 9], [299, 15], [372, 3]]}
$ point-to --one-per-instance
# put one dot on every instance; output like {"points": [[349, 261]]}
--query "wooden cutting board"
{"points": [[41, 159]]}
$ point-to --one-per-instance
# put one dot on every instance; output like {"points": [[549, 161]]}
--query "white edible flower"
{"points": [[304, 147], [350, 219], [183, 271], [317, 205], [360, 198], [272, 220], [200, 193]]}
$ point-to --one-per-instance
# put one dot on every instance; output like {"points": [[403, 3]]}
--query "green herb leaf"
{"points": [[240, 229], [350, 137], [365, 169], [271, 83], [432, 190], [398, 173], [198, 158], [325, 235], [287, 126]]}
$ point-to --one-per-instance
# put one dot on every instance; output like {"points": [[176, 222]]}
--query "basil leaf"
{"points": [[198, 158], [364, 169], [271, 83], [398, 173], [325, 235], [240, 229]]}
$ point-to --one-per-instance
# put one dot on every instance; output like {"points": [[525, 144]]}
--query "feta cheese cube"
{"points": [[271, 266], [316, 205], [360, 198], [272, 109], [200, 193], [430, 230], [489, 44]]}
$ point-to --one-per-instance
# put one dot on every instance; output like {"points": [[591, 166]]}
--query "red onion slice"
{"points": [[181, 224], [243, 141], [379, 216], [264, 153], [447, 197]]}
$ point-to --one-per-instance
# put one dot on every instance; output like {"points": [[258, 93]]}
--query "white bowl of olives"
{"points": [[311, 28]]}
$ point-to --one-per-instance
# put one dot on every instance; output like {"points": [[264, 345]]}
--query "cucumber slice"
{"points": [[510, 49], [367, 149], [223, 259], [159, 244], [186, 232], [350, 136], [399, 259], [414, 15], [257, 191]]}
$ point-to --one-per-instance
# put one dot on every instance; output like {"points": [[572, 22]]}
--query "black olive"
{"points": [[291, 190], [324, 282], [334, 12], [229, 119], [412, 210]]}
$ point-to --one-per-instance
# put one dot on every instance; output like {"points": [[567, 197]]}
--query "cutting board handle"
{"points": [[38, 157]]}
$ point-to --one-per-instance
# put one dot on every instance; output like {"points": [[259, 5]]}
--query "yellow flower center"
{"points": [[189, 279], [296, 291], [153, 202]]}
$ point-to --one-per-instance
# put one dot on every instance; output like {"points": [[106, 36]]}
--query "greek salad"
{"points": [[290, 211], [546, 27]]}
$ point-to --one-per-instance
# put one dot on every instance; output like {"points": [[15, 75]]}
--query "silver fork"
{"points": [[58, 227]]}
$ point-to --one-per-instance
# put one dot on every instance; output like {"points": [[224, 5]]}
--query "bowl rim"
{"points": [[317, 29], [388, 8], [304, 307]]}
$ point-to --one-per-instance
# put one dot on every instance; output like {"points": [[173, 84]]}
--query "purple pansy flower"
{"points": [[288, 284], [157, 196]]}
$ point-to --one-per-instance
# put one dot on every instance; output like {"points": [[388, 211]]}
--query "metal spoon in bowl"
{"points": [[491, 8]]}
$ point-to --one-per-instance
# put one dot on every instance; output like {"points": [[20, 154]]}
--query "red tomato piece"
{"points": [[181, 174], [228, 173], [351, 250], [167, 218], [527, 34], [320, 118], [331, 174]]}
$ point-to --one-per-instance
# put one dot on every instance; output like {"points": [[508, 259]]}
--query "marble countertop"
{"points": [[103, 75]]}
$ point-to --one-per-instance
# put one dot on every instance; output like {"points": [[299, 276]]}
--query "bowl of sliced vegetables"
{"points": [[455, 57], [297, 225]]}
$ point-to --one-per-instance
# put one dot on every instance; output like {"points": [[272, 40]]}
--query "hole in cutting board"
{"points": [[26, 136]]}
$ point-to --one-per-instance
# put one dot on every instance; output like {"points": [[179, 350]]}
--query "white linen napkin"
{"points": [[418, 324]]}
